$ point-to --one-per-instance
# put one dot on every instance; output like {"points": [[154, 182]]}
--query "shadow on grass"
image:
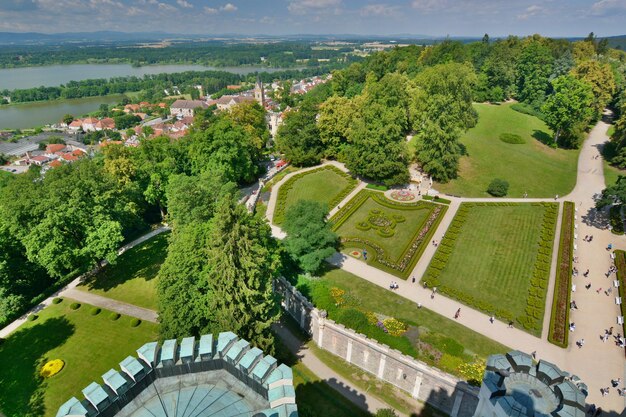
{"points": [[141, 261], [21, 355], [543, 137]]}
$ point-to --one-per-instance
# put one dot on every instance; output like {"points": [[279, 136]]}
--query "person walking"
{"points": [[457, 314]]}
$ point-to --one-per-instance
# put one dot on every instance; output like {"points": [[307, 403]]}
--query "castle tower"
{"points": [[259, 92]]}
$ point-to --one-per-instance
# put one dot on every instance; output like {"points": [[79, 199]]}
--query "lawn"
{"points": [[394, 234], [327, 185], [132, 279], [611, 174], [496, 257], [432, 338], [89, 345], [532, 167]]}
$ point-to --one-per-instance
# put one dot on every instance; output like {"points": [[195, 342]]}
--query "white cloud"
{"points": [[166, 7], [228, 7], [531, 11], [429, 5], [210, 10], [267, 20], [608, 7], [185, 4], [303, 6], [379, 10]]}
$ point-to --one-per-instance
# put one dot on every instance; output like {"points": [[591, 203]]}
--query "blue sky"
{"points": [[277, 17]]}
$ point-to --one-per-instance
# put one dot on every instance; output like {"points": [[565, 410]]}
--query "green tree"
{"points": [[441, 107], [602, 81], [335, 118], [126, 121], [251, 116], [242, 263], [567, 108], [67, 119], [533, 71], [498, 187], [309, 239], [299, 137], [614, 195]]}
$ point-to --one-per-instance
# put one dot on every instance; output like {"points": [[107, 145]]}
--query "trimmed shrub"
{"points": [[33, 317], [95, 311], [135, 322], [498, 187], [56, 300], [75, 306], [527, 109], [512, 138], [115, 316], [377, 187]]}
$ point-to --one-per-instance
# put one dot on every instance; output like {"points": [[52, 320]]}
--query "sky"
{"points": [[279, 17]]}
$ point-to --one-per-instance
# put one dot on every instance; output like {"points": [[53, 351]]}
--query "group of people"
{"points": [[588, 238], [393, 285]]}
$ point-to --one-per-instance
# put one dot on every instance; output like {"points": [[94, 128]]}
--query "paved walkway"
{"points": [[113, 305], [70, 291], [597, 362]]}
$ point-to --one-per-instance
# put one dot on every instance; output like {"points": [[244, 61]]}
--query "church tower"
{"points": [[259, 92]]}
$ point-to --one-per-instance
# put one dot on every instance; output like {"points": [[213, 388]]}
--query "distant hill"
{"points": [[618, 42]]}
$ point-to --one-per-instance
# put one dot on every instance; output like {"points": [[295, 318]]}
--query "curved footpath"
{"points": [[597, 362]]}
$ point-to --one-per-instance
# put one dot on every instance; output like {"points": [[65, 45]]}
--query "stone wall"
{"points": [[420, 381]]}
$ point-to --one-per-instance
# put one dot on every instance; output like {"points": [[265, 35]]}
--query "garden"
{"points": [[496, 257], [512, 146], [327, 185], [132, 279], [397, 322], [390, 235], [78, 343], [559, 318]]}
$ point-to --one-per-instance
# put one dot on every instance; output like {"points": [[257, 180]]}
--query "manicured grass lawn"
{"points": [[392, 250], [493, 256], [432, 338], [532, 167], [89, 345], [324, 185], [133, 277], [611, 174]]}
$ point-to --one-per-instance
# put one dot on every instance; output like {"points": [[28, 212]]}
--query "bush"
{"points": [[527, 109], [498, 188], [115, 316], [56, 300], [135, 322], [95, 311], [377, 187], [33, 317], [385, 412], [512, 138], [75, 306]]}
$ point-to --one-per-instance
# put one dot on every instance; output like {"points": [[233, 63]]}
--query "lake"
{"points": [[27, 115], [54, 75]]}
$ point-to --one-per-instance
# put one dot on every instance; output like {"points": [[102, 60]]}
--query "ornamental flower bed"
{"points": [[559, 319], [51, 368], [402, 195]]}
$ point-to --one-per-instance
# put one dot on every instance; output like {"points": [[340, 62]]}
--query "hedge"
{"points": [[403, 267], [377, 187], [620, 264], [283, 191], [436, 199], [532, 319], [559, 317]]}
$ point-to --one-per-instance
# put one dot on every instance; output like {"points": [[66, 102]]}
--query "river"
{"points": [[26, 115], [53, 75]]}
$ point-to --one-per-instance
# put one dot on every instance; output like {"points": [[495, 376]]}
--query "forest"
{"points": [[219, 54]]}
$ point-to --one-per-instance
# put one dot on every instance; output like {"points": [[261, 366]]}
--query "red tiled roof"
{"points": [[54, 147], [56, 163]]}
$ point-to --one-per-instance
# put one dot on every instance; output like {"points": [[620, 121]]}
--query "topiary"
{"points": [[498, 187], [32, 317], [95, 311], [115, 316], [512, 138], [56, 300], [75, 306], [135, 322]]}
